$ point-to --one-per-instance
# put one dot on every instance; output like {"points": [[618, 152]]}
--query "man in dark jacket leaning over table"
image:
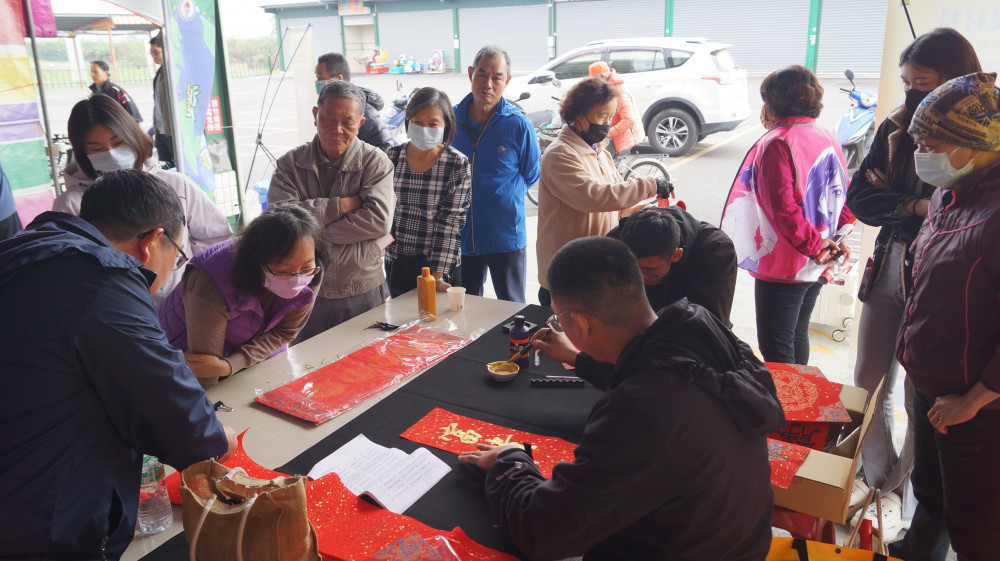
{"points": [[673, 463], [90, 383]]}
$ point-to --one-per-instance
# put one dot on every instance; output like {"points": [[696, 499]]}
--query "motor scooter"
{"points": [[394, 115], [856, 128]]}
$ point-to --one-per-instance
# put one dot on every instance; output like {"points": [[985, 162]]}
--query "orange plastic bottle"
{"points": [[426, 294]]}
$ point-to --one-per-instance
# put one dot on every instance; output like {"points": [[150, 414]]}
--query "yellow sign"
{"points": [[353, 8]]}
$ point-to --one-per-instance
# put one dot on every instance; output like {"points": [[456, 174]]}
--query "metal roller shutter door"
{"points": [[418, 34], [851, 33], [764, 36], [325, 36], [522, 31], [579, 23]]}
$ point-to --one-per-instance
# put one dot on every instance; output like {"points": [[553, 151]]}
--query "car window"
{"points": [[676, 58], [724, 60], [628, 62], [576, 67]]}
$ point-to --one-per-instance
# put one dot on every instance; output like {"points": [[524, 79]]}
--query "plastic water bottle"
{"points": [[155, 512]]}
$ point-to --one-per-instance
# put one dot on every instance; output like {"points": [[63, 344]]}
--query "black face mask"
{"points": [[913, 99], [596, 133]]}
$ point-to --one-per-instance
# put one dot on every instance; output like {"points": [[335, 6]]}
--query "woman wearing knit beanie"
{"points": [[949, 340]]}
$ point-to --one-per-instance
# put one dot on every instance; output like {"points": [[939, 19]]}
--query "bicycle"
{"points": [[629, 164]]}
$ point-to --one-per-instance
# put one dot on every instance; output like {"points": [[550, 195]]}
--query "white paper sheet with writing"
{"points": [[392, 477]]}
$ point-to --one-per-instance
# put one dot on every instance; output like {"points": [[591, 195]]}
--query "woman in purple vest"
{"points": [[244, 299]]}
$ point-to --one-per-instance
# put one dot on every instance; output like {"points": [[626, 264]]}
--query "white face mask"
{"points": [[424, 138], [113, 160], [935, 168]]}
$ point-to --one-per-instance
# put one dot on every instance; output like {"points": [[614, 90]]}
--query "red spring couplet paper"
{"points": [[349, 528], [785, 459], [329, 391], [811, 403], [445, 430], [806, 395]]}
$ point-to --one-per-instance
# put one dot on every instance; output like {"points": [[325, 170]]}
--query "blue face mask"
{"points": [[319, 86], [425, 138]]}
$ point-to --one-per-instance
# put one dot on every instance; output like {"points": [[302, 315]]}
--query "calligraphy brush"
{"points": [[522, 354]]}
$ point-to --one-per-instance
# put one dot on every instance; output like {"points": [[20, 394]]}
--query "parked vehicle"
{"points": [[684, 88], [856, 128], [547, 125], [394, 114]]}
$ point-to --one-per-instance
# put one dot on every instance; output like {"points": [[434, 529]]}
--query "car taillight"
{"points": [[717, 78]]}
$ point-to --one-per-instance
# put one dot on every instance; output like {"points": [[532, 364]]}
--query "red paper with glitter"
{"points": [[329, 391], [445, 430], [785, 459], [806, 395], [350, 528]]}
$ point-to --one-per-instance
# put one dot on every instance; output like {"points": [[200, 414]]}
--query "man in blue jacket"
{"points": [[501, 145], [90, 383]]}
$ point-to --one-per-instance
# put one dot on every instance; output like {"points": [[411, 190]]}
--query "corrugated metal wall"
{"points": [[417, 34], [579, 23], [850, 36], [522, 31], [325, 36], [764, 35]]}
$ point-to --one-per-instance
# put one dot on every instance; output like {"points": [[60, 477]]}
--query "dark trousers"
{"points": [[544, 297], [783, 310], [509, 272], [401, 274], [165, 149], [957, 486]]}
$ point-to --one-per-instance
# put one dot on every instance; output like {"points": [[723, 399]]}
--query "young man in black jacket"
{"points": [[673, 463], [334, 66], [681, 257]]}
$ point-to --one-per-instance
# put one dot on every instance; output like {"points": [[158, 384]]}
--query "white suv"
{"points": [[684, 88]]}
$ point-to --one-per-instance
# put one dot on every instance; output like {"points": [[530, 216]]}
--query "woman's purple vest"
{"points": [[246, 315]]}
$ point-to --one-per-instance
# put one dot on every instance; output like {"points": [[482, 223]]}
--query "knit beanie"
{"points": [[964, 111]]}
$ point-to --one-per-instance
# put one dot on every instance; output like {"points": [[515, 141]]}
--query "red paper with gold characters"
{"points": [[785, 459], [448, 431], [806, 395], [329, 391], [349, 528]]}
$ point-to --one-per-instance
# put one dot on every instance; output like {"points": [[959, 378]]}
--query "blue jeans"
{"points": [[783, 310], [509, 272], [956, 480]]}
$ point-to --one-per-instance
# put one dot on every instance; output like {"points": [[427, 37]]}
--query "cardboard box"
{"points": [[823, 483]]}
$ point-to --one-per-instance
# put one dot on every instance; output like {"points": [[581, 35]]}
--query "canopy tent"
{"points": [[193, 36]]}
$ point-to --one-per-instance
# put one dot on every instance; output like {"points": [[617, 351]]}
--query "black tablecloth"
{"points": [[460, 384]]}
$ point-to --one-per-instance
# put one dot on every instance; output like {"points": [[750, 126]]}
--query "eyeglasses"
{"points": [[182, 257], [553, 321], [285, 275]]}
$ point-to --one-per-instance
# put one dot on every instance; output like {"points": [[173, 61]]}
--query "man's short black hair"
{"points": [[125, 203], [490, 52], [336, 63], [157, 40], [651, 232], [598, 275]]}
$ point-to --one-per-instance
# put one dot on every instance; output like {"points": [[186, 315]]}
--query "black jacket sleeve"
{"points": [[877, 206], [151, 397], [374, 131], [711, 279]]}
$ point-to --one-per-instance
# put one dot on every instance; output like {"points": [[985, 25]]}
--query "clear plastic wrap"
{"points": [[336, 387]]}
